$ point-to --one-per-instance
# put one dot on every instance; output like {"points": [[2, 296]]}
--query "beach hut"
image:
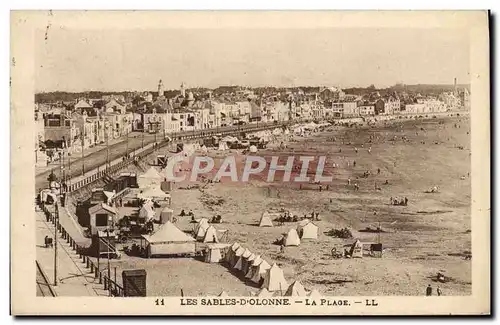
{"points": [[275, 279], [166, 214]]}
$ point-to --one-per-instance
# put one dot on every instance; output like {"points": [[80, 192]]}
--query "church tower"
{"points": [[183, 90], [161, 89]]}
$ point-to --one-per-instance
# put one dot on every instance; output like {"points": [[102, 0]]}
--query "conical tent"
{"points": [[153, 192], [265, 220], [239, 264], [230, 252], [202, 222], [357, 249], [211, 235], [236, 255], [291, 238], [146, 212], [200, 234], [314, 293], [309, 231], [260, 271], [274, 279], [256, 261], [223, 294], [247, 263], [150, 177], [296, 289], [214, 255]]}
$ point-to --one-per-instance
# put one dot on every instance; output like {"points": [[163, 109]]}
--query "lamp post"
{"points": [[56, 222], [83, 147], [109, 267], [107, 145]]}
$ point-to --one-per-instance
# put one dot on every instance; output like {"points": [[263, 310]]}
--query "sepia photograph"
{"points": [[226, 163]]}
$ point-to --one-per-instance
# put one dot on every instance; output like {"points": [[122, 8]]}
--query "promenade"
{"points": [[73, 279]]}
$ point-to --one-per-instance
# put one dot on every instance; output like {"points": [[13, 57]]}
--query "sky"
{"points": [[119, 60]]}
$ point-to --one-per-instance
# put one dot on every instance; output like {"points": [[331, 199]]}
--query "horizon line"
{"points": [[250, 87]]}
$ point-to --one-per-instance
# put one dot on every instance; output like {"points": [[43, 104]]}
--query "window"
{"points": [[101, 219]]}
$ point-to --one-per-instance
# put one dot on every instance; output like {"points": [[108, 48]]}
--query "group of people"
{"points": [[428, 291], [396, 201]]}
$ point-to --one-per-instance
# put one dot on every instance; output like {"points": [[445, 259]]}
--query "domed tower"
{"points": [[161, 89]]}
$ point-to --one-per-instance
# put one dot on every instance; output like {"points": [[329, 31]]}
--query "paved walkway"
{"points": [[74, 279]]}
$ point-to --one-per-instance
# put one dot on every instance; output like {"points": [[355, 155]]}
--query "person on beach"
{"points": [[428, 291]]}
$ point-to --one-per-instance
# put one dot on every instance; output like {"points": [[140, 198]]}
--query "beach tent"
{"points": [[264, 293], [239, 264], [203, 222], [251, 266], [247, 263], [260, 271], [154, 192], [149, 178], [314, 293], [202, 229], [357, 249], [211, 235], [109, 196], [296, 289], [291, 238], [253, 149], [169, 240], [274, 279], [204, 149], [147, 212], [213, 255], [230, 252], [309, 231], [223, 294], [166, 214], [265, 220], [277, 131], [236, 256], [223, 146]]}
